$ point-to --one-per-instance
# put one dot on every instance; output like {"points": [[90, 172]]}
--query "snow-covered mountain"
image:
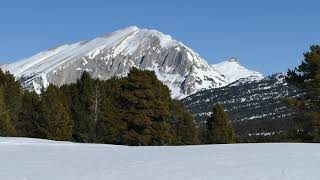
{"points": [[233, 71], [175, 64]]}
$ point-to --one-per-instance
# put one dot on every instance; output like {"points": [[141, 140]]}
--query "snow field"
{"points": [[34, 159]]}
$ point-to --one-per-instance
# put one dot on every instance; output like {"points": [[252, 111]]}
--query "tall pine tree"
{"points": [[12, 94], [6, 125], [29, 123], [186, 131], [306, 77], [55, 114], [110, 124], [84, 105], [82, 98], [145, 101], [219, 128]]}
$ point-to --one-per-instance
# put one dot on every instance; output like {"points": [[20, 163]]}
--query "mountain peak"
{"points": [[129, 29], [133, 28], [112, 55], [233, 70], [234, 59]]}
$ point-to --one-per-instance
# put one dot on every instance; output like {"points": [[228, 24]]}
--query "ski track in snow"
{"points": [[34, 159]]}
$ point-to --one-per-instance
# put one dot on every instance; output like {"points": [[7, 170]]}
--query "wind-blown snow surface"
{"points": [[33, 159]]}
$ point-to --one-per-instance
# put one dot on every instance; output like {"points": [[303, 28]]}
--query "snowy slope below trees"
{"points": [[34, 159]]}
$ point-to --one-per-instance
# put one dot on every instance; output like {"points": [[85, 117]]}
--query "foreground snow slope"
{"points": [[33, 159]]}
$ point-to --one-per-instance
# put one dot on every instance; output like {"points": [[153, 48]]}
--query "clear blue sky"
{"points": [[267, 36]]}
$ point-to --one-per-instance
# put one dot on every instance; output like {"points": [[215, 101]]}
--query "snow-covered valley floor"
{"points": [[34, 159]]}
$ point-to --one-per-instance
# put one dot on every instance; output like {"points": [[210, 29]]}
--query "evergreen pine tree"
{"points": [[83, 99], [6, 125], [146, 103], [30, 124], [12, 94], [186, 131], [219, 129], [138, 110], [110, 125], [55, 114], [306, 77], [83, 109]]}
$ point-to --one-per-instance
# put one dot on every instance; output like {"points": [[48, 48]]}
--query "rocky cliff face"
{"points": [[175, 64]]}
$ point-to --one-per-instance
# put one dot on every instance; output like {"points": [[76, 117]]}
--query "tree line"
{"points": [[138, 110], [133, 110]]}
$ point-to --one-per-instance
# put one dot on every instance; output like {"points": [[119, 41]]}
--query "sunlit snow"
{"points": [[34, 159]]}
